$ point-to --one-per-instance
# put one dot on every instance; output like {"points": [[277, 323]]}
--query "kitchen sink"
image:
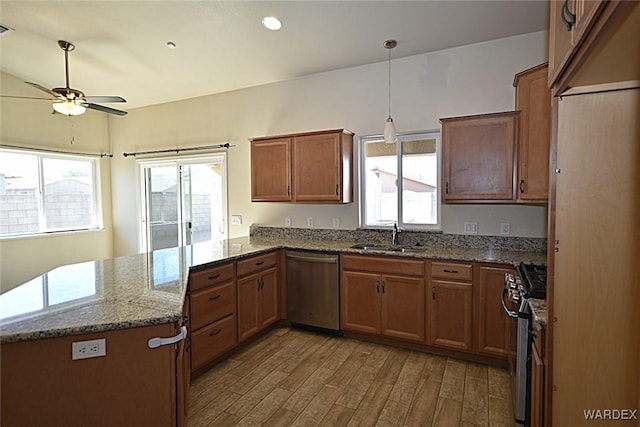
{"points": [[387, 248]]}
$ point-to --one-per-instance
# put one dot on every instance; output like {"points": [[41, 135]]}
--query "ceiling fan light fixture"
{"points": [[271, 23], [69, 108]]}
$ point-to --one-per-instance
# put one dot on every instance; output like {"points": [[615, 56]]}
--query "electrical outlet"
{"points": [[471, 228], [310, 221], [336, 222], [87, 349], [505, 228], [287, 221], [236, 219]]}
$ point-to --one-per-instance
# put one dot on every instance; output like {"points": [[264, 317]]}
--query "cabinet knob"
{"points": [[522, 185]]}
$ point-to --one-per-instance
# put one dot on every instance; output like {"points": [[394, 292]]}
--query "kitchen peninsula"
{"points": [[129, 300]]}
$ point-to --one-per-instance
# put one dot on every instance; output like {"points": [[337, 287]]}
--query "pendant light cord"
{"points": [[389, 82]]}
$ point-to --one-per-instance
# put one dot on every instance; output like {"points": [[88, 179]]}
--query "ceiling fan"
{"points": [[72, 102]]}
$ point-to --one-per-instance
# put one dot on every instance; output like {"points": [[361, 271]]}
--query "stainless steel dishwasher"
{"points": [[313, 289]]}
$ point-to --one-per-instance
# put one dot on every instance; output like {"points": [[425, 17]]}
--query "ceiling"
{"points": [[222, 46]]}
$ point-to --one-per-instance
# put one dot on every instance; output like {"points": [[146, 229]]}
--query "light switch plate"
{"points": [[505, 228]]}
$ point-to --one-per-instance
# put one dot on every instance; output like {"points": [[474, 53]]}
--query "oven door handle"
{"points": [[510, 313]]}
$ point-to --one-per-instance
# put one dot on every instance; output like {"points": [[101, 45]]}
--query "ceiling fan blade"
{"points": [[105, 109], [44, 89], [27, 97], [93, 99]]}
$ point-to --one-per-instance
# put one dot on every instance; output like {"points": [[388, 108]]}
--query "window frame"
{"points": [[96, 202], [401, 137]]}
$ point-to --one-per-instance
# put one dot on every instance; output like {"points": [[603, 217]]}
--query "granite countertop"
{"points": [[147, 289], [539, 310]]}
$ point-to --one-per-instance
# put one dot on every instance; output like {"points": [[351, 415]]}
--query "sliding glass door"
{"points": [[184, 201]]}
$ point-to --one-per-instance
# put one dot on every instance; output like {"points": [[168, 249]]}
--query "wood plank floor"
{"points": [[297, 378]]}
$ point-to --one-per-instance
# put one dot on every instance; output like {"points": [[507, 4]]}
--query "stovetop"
{"points": [[534, 279]]}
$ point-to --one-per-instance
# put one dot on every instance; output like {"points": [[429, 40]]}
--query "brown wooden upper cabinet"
{"points": [[533, 100], [578, 32], [478, 157], [314, 167]]}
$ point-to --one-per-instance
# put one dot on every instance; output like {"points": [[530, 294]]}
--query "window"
{"points": [[42, 193], [399, 181]]}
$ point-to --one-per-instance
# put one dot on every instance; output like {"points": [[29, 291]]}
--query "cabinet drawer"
{"points": [[211, 276], [213, 340], [389, 265], [450, 270], [257, 263], [212, 304]]}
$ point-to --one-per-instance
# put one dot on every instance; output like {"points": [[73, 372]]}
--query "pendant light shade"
{"points": [[389, 127], [390, 131]]}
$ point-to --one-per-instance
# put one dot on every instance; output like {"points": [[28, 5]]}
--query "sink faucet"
{"points": [[396, 231]]}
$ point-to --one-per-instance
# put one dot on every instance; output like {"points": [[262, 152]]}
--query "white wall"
{"points": [[29, 123], [472, 79]]}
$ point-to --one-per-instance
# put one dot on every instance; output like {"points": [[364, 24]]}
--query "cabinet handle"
{"points": [[522, 185], [214, 333], [377, 286], [384, 284], [433, 292], [258, 282], [259, 263], [337, 190], [446, 270], [215, 276], [288, 190], [446, 188], [568, 18], [214, 298]]}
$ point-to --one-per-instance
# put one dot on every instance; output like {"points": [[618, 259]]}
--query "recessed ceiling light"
{"points": [[171, 45], [271, 23]]}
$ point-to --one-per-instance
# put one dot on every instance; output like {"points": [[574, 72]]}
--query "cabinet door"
{"points": [[586, 11], [271, 170], [492, 324], [559, 39], [449, 311], [403, 307], [360, 302], [478, 157], [317, 167], [537, 388], [533, 99], [268, 297], [248, 306]]}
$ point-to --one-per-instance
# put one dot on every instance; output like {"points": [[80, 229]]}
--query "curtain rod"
{"points": [[178, 150], [47, 150]]}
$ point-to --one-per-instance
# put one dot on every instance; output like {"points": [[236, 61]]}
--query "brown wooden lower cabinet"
{"points": [[450, 314], [537, 377], [132, 385], [383, 302], [492, 324], [257, 302], [212, 341]]}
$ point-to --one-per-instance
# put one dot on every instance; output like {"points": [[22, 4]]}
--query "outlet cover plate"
{"points": [[505, 228], [310, 221], [336, 222], [88, 349], [471, 228], [236, 219]]}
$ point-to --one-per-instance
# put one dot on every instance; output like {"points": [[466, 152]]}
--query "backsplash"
{"points": [[407, 238]]}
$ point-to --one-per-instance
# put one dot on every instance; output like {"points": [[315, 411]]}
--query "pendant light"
{"points": [[389, 127]]}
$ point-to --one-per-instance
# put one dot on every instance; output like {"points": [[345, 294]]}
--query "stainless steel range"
{"points": [[530, 281]]}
